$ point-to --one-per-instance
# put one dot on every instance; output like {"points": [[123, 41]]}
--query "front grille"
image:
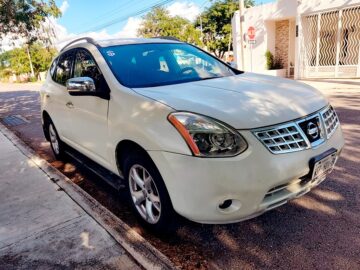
{"points": [[300, 134], [311, 124], [331, 121], [282, 139]]}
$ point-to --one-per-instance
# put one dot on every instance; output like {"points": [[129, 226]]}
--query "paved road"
{"points": [[42, 227], [318, 231]]}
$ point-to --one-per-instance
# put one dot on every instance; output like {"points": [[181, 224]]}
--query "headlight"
{"points": [[207, 137]]}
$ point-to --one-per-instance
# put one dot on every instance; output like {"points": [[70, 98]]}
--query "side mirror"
{"points": [[81, 86]]}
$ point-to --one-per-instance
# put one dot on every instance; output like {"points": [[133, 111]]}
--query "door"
{"points": [[87, 114], [56, 93]]}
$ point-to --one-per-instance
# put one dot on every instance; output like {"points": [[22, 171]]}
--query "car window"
{"points": [[85, 66], [163, 64], [149, 65], [53, 67], [188, 61], [63, 68]]}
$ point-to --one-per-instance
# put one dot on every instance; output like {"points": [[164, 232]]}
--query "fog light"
{"points": [[228, 206], [225, 204]]}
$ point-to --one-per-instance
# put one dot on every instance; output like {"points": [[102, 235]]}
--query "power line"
{"points": [[122, 18], [204, 3], [111, 12], [125, 17]]}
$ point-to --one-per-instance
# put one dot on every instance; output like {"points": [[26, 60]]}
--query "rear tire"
{"points": [[147, 193], [56, 144]]}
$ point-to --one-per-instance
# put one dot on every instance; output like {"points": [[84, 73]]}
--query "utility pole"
{"points": [[201, 31], [229, 45], [31, 66], [241, 8]]}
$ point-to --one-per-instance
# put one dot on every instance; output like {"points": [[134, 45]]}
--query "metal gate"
{"points": [[331, 44]]}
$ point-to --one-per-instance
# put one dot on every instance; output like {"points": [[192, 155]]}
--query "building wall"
{"points": [[282, 42], [264, 17], [310, 6]]}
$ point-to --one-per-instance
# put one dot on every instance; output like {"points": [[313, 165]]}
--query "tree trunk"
{"points": [[31, 66]]}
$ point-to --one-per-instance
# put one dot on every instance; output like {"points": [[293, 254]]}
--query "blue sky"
{"points": [[81, 16]]}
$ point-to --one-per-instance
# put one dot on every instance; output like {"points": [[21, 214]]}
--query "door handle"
{"points": [[70, 105]]}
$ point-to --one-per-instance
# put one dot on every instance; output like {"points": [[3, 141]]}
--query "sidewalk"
{"points": [[42, 227]]}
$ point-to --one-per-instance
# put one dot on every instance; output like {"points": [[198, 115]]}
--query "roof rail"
{"points": [[169, 38], [87, 39]]}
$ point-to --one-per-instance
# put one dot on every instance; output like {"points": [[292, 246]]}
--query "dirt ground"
{"points": [[318, 231]]}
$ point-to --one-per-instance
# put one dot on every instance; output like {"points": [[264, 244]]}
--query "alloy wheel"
{"points": [[144, 194], [54, 140]]}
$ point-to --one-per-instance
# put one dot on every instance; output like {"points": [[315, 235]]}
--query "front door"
{"points": [[87, 115]]}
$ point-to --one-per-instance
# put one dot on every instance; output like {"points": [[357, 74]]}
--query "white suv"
{"points": [[185, 132]]}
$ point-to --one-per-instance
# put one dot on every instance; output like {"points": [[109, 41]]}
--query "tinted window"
{"points": [[52, 68], [85, 66], [63, 69], [147, 65]]}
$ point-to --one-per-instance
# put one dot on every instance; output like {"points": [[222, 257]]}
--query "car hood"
{"points": [[243, 101]]}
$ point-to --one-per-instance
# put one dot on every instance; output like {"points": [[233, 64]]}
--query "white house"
{"points": [[311, 38]]}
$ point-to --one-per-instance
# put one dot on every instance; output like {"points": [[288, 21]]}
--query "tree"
{"points": [[5, 71], [158, 22], [25, 18], [17, 60], [41, 57], [216, 25]]}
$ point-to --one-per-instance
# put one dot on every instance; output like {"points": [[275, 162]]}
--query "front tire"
{"points": [[147, 193], [56, 144]]}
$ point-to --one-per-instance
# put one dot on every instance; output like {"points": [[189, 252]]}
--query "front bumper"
{"points": [[197, 186]]}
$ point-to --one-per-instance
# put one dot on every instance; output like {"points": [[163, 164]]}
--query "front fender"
{"points": [[144, 121]]}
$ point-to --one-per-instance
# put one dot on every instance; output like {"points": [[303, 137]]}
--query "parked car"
{"points": [[187, 133]]}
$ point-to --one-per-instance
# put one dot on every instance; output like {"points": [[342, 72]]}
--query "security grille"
{"points": [[331, 44]]}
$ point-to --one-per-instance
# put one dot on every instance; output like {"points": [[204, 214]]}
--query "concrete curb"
{"points": [[145, 254]]}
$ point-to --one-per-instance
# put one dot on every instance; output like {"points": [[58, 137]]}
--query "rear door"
{"points": [[88, 130]]}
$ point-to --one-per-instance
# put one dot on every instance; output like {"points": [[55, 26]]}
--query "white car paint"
{"points": [[243, 101], [196, 185]]}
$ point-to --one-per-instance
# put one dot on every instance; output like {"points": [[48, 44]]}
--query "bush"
{"points": [[269, 59], [33, 79], [271, 62], [5, 74]]}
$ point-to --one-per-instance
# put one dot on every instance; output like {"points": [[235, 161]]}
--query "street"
{"points": [[319, 230]]}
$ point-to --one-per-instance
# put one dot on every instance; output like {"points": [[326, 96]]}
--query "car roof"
{"points": [[115, 42], [127, 41]]}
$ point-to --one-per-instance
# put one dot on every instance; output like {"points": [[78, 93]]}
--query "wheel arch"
{"points": [[45, 117], [123, 148]]}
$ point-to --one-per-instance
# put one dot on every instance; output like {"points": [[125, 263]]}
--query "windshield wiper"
{"points": [[209, 78]]}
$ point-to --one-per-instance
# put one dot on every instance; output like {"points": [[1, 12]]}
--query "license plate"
{"points": [[323, 166]]}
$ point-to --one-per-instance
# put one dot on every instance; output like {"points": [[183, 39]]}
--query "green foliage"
{"points": [[4, 60], [5, 74], [272, 62], [24, 18], [158, 23], [216, 25], [41, 57], [17, 60], [269, 59]]}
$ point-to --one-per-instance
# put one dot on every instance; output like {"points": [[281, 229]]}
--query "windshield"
{"points": [[148, 65]]}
